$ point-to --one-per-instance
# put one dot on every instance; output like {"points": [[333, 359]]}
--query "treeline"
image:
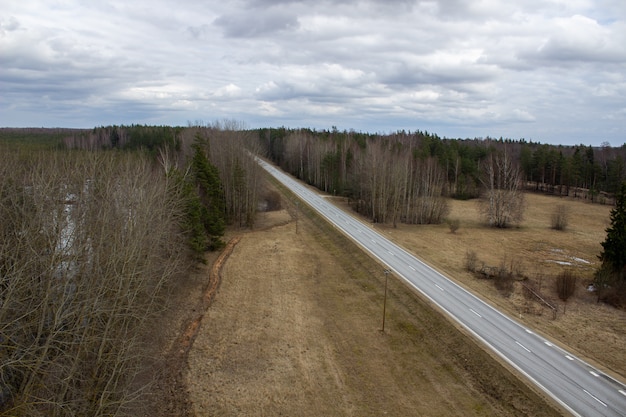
{"points": [[580, 171], [402, 176], [388, 178], [92, 241], [224, 144], [126, 137]]}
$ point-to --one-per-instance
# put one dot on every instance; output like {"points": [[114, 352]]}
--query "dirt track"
{"points": [[295, 330]]}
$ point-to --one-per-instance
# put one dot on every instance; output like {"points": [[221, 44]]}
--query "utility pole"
{"points": [[297, 209], [387, 272]]}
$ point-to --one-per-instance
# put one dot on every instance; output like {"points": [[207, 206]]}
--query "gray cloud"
{"points": [[256, 23], [548, 70], [9, 24]]}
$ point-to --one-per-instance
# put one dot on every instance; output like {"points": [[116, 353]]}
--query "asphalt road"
{"points": [[577, 386]]}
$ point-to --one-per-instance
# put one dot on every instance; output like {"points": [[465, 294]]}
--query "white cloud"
{"points": [[548, 69], [522, 116], [579, 38], [229, 91]]}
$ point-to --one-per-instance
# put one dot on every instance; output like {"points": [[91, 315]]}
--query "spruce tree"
{"points": [[613, 256], [211, 194]]}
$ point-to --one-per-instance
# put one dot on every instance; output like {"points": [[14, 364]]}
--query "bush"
{"points": [[273, 201], [505, 284], [560, 217], [504, 279], [566, 285], [471, 259], [453, 224]]}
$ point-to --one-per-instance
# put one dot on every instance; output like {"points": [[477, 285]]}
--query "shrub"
{"points": [[273, 201], [471, 259], [566, 285], [560, 217], [504, 279], [454, 225]]}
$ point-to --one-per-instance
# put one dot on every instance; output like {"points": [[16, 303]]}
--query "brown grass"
{"points": [[595, 331], [295, 330]]}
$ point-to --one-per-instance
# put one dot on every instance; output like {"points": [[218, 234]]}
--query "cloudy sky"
{"points": [[552, 71]]}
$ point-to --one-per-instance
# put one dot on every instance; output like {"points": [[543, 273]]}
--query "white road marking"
{"points": [[438, 287], [411, 267], [391, 253], [569, 357], [528, 331], [549, 344], [523, 347], [594, 374], [594, 397], [475, 313], [622, 392]]}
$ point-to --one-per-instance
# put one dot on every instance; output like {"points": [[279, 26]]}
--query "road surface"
{"points": [[577, 386]]}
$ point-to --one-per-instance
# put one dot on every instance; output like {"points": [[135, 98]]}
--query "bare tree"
{"points": [[503, 200], [429, 206], [377, 180], [228, 147], [89, 243]]}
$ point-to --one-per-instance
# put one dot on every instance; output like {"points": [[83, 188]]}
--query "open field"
{"points": [[295, 330], [595, 331]]}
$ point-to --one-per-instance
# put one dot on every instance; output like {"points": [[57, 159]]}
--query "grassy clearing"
{"points": [[595, 331], [308, 341]]}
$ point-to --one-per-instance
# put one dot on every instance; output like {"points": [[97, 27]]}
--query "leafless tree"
{"points": [[429, 205], [229, 147], [503, 199], [89, 243]]}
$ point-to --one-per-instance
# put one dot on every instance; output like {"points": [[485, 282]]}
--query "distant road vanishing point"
{"points": [[577, 386]]}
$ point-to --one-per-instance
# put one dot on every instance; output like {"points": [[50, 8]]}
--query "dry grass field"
{"points": [[594, 331], [295, 326], [295, 330]]}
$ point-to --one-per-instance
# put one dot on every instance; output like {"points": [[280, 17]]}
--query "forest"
{"points": [[406, 176], [98, 229], [99, 225]]}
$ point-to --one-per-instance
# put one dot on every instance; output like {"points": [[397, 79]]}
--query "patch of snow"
{"points": [[559, 262], [582, 261]]}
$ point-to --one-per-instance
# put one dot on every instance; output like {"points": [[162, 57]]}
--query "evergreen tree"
{"points": [[212, 196], [613, 256], [203, 198], [192, 223]]}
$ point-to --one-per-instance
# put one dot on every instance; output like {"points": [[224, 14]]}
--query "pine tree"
{"points": [[613, 256]]}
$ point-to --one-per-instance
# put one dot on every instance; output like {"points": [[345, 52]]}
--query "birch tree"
{"points": [[502, 203]]}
